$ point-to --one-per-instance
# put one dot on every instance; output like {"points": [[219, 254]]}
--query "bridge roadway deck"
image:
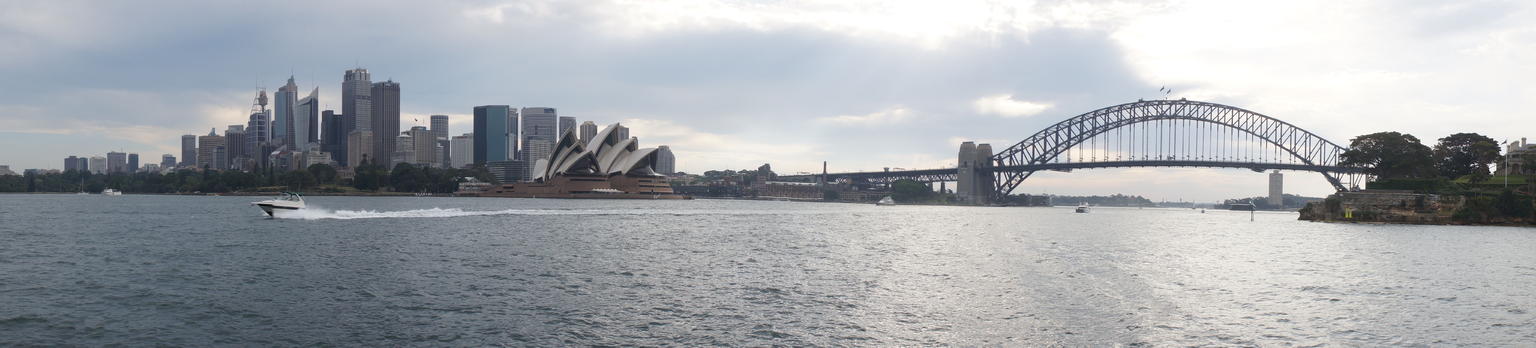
{"points": [[948, 174]]}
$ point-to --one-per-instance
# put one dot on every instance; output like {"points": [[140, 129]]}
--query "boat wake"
{"points": [[316, 213]]}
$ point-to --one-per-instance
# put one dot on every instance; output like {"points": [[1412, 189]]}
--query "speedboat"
{"points": [[1082, 207], [111, 192], [288, 201], [886, 201]]}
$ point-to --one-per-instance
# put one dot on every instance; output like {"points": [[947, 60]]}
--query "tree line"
{"points": [[368, 177]]}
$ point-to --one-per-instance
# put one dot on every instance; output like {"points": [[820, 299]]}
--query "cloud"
{"points": [[698, 151], [886, 117], [1004, 105]]}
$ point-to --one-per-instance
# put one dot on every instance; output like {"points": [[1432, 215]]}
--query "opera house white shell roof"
{"points": [[605, 155]]}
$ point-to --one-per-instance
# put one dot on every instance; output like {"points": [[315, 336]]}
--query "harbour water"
{"points": [[409, 271]]}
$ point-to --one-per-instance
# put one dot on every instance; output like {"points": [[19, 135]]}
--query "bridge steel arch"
{"points": [[1044, 146]]}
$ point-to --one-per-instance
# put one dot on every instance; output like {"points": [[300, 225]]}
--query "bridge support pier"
{"points": [[973, 184]]}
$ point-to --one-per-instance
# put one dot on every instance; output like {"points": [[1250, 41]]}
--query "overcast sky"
{"points": [[735, 84]]}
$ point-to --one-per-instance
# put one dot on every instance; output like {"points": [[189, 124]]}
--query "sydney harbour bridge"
{"points": [[1148, 133]]}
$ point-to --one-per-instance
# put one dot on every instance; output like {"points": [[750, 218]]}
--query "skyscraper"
{"points": [[209, 149], [621, 131], [360, 148], [333, 135], [495, 139], [588, 130], [537, 148], [440, 135], [72, 163], [357, 105], [538, 123], [133, 163], [115, 163], [235, 146], [167, 162], [258, 131], [423, 147], [189, 150], [285, 107], [666, 163], [567, 124], [306, 122], [386, 119], [462, 150]]}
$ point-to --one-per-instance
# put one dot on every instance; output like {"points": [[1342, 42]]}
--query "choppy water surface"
{"points": [[198, 271]]}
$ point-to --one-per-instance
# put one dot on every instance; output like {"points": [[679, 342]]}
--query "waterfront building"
{"points": [[1519, 157], [189, 150], [314, 157], [610, 168], [359, 147], [506, 171], [167, 161], [6, 170], [209, 147], [150, 168], [404, 152], [386, 119], [440, 137], [306, 121], [72, 163], [461, 150], [133, 163], [666, 163], [333, 135], [567, 124], [538, 123], [588, 130], [285, 106], [495, 133], [357, 105], [1276, 191], [98, 165]]}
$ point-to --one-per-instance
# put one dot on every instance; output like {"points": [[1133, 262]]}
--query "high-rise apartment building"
{"points": [[167, 162], [133, 163], [567, 124], [209, 149], [1276, 189], [189, 150], [405, 151], [285, 106], [495, 133], [306, 122], [461, 150], [98, 165], [357, 105], [588, 130], [666, 162], [72, 163], [538, 123], [117, 162], [386, 118], [621, 131]]}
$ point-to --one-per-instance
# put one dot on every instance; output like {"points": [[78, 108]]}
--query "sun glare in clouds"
{"points": [[1004, 105]]}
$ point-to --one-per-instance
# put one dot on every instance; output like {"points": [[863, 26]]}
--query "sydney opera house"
{"points": [[607, 166]]}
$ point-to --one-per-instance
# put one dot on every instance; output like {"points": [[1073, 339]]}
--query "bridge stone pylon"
{"points": [[974, 183]]}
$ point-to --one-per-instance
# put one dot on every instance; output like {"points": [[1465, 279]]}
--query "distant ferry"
{"points": [[886, 201], [1082, 208], [111, 192]]}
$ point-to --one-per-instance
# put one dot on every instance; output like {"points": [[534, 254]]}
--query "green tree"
{"points": [[299, 179], [323, 173], [1390, 155], [1463, 154], [406, 178], [909, 191], [1511, 205], [831, 195], [368, 176]]}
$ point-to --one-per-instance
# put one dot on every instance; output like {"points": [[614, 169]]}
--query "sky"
{"points": [[731, 84]]}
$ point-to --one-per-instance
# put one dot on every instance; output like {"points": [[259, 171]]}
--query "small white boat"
{"points": [[886, 201], [111, 192], [1082, 207], [288, 201]]}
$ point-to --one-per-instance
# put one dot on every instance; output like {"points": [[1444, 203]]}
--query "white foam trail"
{"points": [[318, 213]]}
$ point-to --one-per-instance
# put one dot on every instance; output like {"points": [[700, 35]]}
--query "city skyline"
{"points": [[718, 85]]}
